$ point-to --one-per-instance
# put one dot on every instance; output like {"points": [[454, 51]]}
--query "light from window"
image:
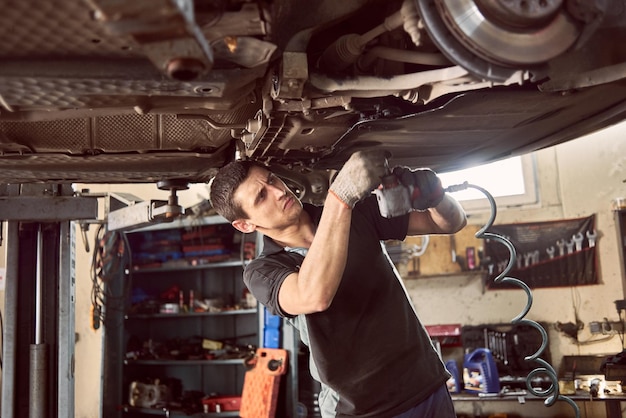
{"points": [[510, 181]]}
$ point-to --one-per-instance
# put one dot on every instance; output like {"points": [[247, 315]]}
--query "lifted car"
{"points": [[103, 91]]}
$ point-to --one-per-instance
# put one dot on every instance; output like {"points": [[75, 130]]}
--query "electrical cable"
{"points": [[594, 341], [551, 393], [97, 299], [105, 269]]}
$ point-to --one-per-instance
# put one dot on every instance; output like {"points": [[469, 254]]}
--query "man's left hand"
{"points": [[425, 186]]}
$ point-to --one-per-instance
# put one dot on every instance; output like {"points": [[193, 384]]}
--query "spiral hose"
{"points": [[551, 394]]}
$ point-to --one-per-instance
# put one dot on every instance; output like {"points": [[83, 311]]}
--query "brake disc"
{"points": [[510, 32]]}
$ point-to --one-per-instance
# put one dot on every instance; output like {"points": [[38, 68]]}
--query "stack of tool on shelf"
{"points": [[488, 359], [207, 244], [156, 248], [153, 393], [507, 346], [169, 394], [401, 253], [191, 348], [589, 373], [196, 245]]}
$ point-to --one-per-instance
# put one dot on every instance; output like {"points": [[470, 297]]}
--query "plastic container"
{"points": [[271, 338], [480, 373], [271, 330], [455, 384]]}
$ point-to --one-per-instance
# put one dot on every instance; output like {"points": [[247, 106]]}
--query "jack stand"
{"points": [[261, 383]]}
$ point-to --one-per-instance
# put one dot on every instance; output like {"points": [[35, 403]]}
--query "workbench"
{"points": [[608, 406]]}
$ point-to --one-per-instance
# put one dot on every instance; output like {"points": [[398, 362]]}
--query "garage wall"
{"points": [[88, 350], [576, 179]]}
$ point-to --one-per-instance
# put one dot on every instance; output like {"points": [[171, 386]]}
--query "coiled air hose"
{"points": [[551, 394]]}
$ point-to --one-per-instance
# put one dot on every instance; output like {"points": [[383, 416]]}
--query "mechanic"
{"points": [[325, 270]]}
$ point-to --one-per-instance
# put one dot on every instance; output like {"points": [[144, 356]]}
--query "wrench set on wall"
{"points": [[554, 253], [574, 244]]}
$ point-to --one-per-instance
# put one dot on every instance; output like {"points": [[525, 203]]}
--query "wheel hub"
{"points": [[510, 32]]}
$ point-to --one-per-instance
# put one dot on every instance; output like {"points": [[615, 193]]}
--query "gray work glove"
{"points": [[359, 176], [424, 186]]}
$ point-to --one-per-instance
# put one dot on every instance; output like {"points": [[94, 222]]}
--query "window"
{"points": [[511, 182]]}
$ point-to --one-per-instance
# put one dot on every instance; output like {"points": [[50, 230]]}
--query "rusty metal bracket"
{"points": [[166, 31]]}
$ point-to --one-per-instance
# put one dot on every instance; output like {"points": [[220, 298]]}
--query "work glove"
{"points": [[423, 184], [359, 176]]}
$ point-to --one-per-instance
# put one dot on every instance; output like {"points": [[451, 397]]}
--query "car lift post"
{"points": [[39, 335]]}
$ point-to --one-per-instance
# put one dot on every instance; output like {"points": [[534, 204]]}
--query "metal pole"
{"points": [[39, 289], [66, 332], [38, 377], [9, 337], [38, 351]]}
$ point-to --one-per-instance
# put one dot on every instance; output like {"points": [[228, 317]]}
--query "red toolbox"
{"points": [[221, 403]]}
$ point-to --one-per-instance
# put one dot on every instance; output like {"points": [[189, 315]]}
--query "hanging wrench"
{"points": [[591, 236], [570, 246], [578, 240], [534, 257], [561, 244], [550, 250], [528, 259]]}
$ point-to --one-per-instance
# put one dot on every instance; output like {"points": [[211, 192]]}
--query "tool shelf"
{"points": [[216, 362], [172, 413], [207, 266], [191, 315], [195, 270]]}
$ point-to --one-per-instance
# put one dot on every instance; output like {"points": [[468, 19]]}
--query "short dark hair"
{"points": [[224, 185]]}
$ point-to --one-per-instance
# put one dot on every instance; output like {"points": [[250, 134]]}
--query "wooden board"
{"points": [[437, 259]]}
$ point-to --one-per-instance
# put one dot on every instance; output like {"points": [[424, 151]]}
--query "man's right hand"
{"points": [[360, 175]]}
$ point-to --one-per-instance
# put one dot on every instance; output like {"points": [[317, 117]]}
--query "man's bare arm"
{"points": [[313, 287], [448, 217]]}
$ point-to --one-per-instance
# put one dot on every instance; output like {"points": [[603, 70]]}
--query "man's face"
{"points": [[267, 200]]}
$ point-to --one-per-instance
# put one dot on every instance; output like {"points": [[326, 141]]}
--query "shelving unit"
{"points": [[188, 323], [176, 414]]}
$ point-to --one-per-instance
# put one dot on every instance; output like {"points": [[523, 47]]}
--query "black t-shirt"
{"points": [[368, 346]]}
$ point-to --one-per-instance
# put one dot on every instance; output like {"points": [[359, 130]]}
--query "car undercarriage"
{"points": [[100, 91]]}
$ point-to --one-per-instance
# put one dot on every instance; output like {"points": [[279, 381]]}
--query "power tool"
{"points": [[394, 198]]}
